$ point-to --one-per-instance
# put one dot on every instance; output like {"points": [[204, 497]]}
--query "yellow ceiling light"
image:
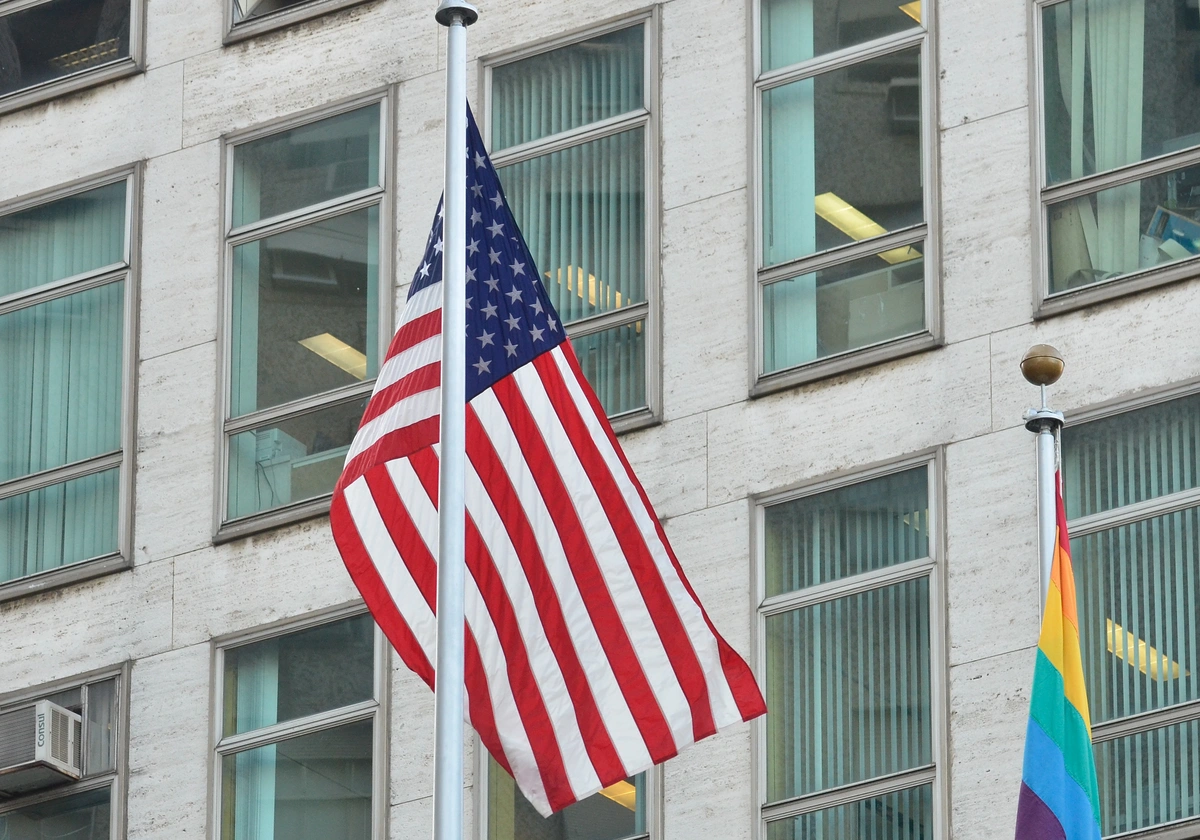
{"points": [[337, 352], [623, 793], [597, 293], [913, 10], [1135, 651], [858, 225]]}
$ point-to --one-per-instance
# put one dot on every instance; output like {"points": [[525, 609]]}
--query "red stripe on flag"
{"points": [[419, 561], [667, 623], [422, 379], [486, 463], [374, 591], [415, 331], [746, 692], [605, 617], [397, 444]]}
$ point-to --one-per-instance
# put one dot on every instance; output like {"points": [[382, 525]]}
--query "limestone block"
{"points": [[850, 421], [179, 29], [986, 227], [181, 250], [991, 545], [410, 736], [704, 103], [989, 707], [304, 66], [414, 819], [169, 734], [96, 624], [984, 60], [177, 432], [285, 573], [713, 546], [705, 294], [706, 788], [670, 461], [1112, 352], [92, 131]]}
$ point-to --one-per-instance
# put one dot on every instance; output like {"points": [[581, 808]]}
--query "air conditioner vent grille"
{"points": [[16, 736], [59, 737]]}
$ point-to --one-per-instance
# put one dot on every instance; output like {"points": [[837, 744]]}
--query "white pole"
{"points": [[1042, 366], [449, 687]]}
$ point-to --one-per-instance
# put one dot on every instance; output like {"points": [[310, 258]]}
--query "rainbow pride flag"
{"points": [[1059, 800]]}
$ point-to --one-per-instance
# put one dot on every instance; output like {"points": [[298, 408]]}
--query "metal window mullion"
{"points": [[848, 794], [840, 60], [1137, 171], [58, 475], [295, 728], [572, 137], [822, 260], [73, 789], [832, 591], [301, 218], [64, 288], [608, 320], [296, 408], [1146, 722], [1136, 512]]}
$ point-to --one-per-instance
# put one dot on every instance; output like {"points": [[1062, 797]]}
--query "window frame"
{"points": [[128, 273], [226, 529], [647, 118], [937, 774], [131, 65], [235, 32], [928, 232], [654, 796], [1083, 526], [117, 779], [377, 710], [1047, 304]]}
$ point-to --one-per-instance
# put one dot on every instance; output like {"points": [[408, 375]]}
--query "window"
{"points": [[850, 655], [65, 376], [300, 751], [1132, 487], [247, 18], [845, 247], [87, 809], [56, 46], [305, 300], [573, 138], [619, 812], [1120, 172]]}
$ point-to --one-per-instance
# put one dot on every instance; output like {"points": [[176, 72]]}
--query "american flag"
{"points": [[588, 656]]}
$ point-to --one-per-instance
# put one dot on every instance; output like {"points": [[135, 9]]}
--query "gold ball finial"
{"points": [[1042, 364]]}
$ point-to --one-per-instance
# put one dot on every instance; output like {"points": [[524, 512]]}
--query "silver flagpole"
{"points": [[1042, 366], [450, 690]]}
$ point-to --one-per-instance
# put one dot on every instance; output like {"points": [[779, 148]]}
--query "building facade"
{"points": [[800, 247]]}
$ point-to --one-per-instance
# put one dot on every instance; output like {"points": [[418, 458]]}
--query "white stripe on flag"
{"points": [[406, 361], [420, 406]]}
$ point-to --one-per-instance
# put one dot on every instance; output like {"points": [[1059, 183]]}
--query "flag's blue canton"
{"points": [[509, 317]]}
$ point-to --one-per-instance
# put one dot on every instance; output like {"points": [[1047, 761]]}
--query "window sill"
{"points": [[254, 27], [844, 363], [1127, 284], [643, 418], [272, 519], [70, 84], [63, 576]]}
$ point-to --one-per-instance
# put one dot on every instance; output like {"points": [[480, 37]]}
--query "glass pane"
{"points": [[1131, 457], [59, 525], [848, 531], [843, 308], [60, 380], [302, 673], [1137, 588], [305, 165], [614, 362], [59, 240], [1149, 778], [244, 9], [568, 87], [100, 754], [905, 815], [85, 816], [303, 311], [290, 460], [56, 39], [797, 30], [617, 812], [315, 787], [583, 214], [842, 157], [1123, 229], [848, 690], [1119, 84]]}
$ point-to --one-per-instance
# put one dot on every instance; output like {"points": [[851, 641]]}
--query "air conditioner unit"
{"points": [[39, 747]]}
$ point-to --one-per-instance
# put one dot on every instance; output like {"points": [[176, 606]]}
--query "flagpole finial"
{"points": [[450, 11], [1042, 364]]}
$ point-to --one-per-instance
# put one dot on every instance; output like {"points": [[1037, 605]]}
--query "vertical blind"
{"points": [[904, 815], [1138, 584]]}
